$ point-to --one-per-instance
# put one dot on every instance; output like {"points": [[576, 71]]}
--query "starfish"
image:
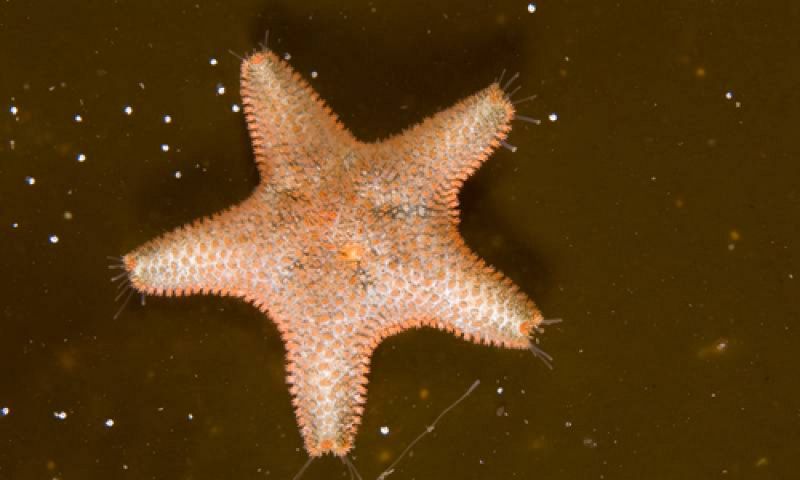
{"points": [[344, 243]]}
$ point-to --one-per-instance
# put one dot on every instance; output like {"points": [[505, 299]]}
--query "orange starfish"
{"points": [[344, 243]]}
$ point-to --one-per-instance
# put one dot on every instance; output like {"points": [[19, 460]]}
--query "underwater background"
{"points": [[655, 209]]}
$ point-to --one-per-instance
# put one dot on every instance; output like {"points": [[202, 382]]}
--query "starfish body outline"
{"points": [[344, 243]]}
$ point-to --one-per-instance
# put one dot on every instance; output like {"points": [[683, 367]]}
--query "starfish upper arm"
{"points": [[291, 127], [443, 151]]}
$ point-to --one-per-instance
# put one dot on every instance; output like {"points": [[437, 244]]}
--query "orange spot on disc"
{"points": [[351, 252]]}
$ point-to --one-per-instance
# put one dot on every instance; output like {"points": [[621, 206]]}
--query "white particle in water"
{"points": [[314, 74], [81, 157], [531, 7], [62, 415], [235, 108], [220, 89], [110, 422], [178, 174], [190, 416], [30, 180], [212, 61], [384, 430], [14, 110], [15, 225], [164, 147], [167, 119], [5, 411], [499, 390], [553, 117], [78, 118], [287, 56], [128, 109], [729, 95], [53, 239]]}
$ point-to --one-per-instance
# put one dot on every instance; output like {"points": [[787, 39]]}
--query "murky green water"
{"points": [[656, 215]]}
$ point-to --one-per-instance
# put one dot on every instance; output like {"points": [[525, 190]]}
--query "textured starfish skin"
{"points": [[344, 243]]}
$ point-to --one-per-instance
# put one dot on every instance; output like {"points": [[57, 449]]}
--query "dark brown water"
{"points": [[658, 217]]}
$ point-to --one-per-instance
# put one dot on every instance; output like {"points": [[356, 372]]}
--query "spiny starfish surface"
{"points": [[344, 243]]}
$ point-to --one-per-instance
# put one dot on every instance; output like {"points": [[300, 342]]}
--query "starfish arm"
{"points": [[327, 371], [455, 290], [445, 149], [222, 254], [293, 132]]}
